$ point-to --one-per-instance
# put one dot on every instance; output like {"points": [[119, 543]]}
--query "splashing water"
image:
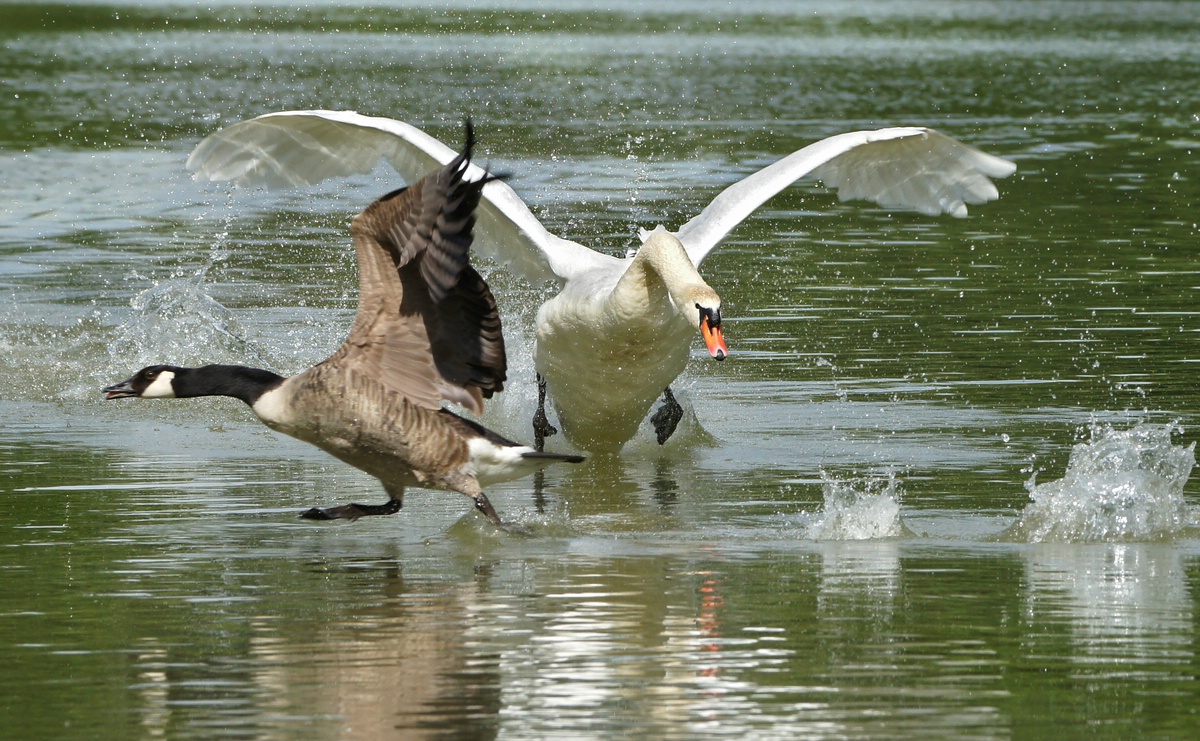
{"points": [[178, 320], [859, 509], [1122, 485]]}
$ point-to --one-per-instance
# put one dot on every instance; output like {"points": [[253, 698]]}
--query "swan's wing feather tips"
{"points": [[293, 148], [902, 167], [925, 170], [305, 147]]}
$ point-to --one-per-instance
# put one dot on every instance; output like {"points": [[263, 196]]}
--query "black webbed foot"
{"points": [[352, 511], [666, 419], [542, 429], [483, 505]]}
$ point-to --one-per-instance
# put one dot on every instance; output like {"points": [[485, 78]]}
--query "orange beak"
{"points": [[713, 339]]}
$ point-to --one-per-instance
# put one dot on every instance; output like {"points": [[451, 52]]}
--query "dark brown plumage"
{"points": [[427, 324]]}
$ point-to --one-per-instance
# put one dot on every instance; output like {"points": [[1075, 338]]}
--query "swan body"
{"points": [[609, 327], [427, 331], [618, 331]]}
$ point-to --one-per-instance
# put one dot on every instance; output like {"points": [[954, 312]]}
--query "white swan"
{"points": [[619, 330]]}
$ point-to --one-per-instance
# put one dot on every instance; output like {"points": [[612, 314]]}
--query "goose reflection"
{"points": [[388, 671]]}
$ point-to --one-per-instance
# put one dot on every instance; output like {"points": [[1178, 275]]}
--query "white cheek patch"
{"points": [[161, 388]]}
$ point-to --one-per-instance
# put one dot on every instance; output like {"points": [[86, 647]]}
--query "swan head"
{"points": [[706, 316], [664, 255]]}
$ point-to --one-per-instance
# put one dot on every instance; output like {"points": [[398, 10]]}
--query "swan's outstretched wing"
{"points": [[904, 167], [305, 147]]}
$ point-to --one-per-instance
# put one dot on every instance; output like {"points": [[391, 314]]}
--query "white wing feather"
{"points": [[293, 148], [904, 167]]}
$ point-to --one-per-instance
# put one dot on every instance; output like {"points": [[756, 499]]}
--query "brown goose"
{"points": [[427, 330]]}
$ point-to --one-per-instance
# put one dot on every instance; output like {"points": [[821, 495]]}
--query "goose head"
{"points": [[173, 382], [151, 382]]}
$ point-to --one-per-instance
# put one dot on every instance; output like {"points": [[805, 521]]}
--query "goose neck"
{"points": [[238, 381]]}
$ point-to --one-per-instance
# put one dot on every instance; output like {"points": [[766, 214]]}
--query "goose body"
{"points": [[618, 331], [427, 331]]}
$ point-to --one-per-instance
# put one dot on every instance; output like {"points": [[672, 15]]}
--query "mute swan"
{"points": [[427, 329], [619, 330]]}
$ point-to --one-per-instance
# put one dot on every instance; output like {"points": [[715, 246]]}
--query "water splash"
{"points": [[177, 321], [1122, 485], [859, 509]]}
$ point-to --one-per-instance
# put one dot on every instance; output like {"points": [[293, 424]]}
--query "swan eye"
{"points": [[713, 316]]}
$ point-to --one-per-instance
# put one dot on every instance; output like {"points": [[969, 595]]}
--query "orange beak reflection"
{"points": [[713, 338]]}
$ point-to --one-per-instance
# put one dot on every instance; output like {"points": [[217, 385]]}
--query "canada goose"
{"points": [[427, 330], [619, 330]]}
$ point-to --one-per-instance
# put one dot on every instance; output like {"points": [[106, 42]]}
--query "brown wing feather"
{"points": [[470, 311], [427, 324]]}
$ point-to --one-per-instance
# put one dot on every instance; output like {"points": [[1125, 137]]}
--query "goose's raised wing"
{"points": [[293, 148], [427, 324], [904, 167]]}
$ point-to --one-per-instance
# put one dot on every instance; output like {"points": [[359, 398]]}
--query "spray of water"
{"points": [[177, 321], [859, 509], [1122, 485]]}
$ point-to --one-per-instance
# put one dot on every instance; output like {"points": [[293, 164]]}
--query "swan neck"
{"points": [[664, 256]]}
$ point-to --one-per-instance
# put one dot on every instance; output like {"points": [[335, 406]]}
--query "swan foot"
{"points": [[352, 511], [666, 419], [542, 428]]}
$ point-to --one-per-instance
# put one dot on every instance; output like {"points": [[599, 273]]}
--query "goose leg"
{"points": [[483, 505], [542, 428], [666, 419], [352, 511]]}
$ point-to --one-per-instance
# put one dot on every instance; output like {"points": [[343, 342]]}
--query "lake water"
{"points": [[940, 489]]}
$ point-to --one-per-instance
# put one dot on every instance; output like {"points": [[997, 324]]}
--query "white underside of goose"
{"points": [[494, 464], [606, 353]]}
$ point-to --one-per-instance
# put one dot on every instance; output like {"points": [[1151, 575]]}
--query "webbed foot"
{"points": [[352, 511], [666, 419], [483, 505]]}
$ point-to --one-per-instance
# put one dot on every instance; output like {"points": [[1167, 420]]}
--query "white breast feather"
{"points": [[272, 407]]}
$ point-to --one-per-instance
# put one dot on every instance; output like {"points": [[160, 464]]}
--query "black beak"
{"points": [[119, 390]]}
